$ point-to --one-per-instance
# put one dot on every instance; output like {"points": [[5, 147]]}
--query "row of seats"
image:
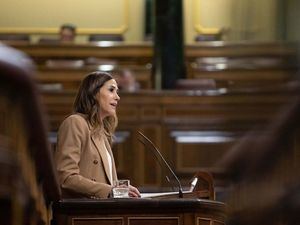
{"points": [[49, 40], [98, 37], [208, 66]]}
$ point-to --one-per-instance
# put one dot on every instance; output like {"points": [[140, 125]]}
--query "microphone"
{"points": [[149, 144]]}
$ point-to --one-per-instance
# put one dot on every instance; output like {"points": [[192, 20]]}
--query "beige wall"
{"points": [[253, 20], [293, 25], [91, 16], [241, 19], [246, 19], [205, 16]]}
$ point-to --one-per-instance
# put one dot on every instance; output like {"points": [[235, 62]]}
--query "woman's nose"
{"points": [[117, 97]]}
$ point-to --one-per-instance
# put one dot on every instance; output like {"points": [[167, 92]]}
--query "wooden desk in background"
{"points": [[229, 64], [67, 64]]}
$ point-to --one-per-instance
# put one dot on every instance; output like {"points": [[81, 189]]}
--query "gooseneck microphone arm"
{"points": [[153, 148], [158, 159]]}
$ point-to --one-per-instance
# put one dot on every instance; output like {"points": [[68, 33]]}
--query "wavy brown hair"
{"points": [[85, 103]]}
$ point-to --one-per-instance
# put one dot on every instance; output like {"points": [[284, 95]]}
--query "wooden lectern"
{"points": [[194, 208], [138, 211]]}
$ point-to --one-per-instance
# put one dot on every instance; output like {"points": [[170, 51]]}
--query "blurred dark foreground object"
{"points": [[28, 180], [262, 173]]}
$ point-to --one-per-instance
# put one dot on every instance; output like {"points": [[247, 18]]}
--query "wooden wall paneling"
{"points": [[129, 154], [122, 154], [199, 150], [58, 105], [171, 119], [150, 126]]}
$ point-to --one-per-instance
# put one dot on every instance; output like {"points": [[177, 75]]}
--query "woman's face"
{"points": [[108, 98]]}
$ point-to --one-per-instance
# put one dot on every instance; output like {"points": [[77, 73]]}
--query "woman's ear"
{"points": [[96, 96]]}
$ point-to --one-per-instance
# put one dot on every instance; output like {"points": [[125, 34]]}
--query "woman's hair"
{"points": [[85, 103]]}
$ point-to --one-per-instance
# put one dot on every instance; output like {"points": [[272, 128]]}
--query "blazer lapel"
{"points": [[98, 141]]}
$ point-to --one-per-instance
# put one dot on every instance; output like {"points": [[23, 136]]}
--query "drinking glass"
{"points": [[121, 189]]}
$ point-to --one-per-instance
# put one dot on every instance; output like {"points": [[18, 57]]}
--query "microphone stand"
{"points": [[157, 153]]}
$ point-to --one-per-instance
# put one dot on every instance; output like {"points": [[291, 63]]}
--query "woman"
{"points": [[84, 159]]}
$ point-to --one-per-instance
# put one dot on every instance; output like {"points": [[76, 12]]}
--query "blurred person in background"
{"points": [[67, 33], [127, 81]]}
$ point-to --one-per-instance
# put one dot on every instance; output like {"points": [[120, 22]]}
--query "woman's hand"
{"points": [[134, 192]]}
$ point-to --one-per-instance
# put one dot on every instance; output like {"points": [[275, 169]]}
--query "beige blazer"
{"points": [[81, 160]]}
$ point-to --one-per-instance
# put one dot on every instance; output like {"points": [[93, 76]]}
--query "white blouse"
{"points": [[109, 165]]}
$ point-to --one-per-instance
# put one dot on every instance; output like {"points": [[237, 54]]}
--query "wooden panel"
{"points": [[191, 157], [151, 112], [131, 113], [193, 148], [208, 221], [58, 106], [218, 222], [154, 220], [98, 221], [203, 221]]}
